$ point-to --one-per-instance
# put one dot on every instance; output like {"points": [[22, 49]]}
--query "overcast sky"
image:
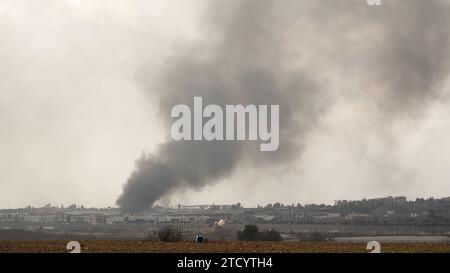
{"points": [[74, 117]]}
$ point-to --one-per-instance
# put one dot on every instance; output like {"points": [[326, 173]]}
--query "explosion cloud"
{"points": [[285, 53]]}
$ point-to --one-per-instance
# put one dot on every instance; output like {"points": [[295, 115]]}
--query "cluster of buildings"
{"points": [[383, 211]]}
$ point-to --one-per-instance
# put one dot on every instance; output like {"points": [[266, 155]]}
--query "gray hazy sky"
{"points": [[74, 118]]}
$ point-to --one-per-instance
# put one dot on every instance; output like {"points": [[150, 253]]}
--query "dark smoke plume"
{"points": [[251, 62]]}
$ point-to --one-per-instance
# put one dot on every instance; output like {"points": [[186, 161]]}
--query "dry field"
{"points": [[110, 246]]}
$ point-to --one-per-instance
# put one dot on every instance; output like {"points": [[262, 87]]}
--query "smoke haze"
{"points": [[87, 86], [265, 53]]}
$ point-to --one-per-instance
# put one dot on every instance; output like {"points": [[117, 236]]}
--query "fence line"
{"points": [[380, 230]]}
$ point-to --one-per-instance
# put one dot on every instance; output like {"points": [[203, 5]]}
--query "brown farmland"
{"points": [[130, 246]]}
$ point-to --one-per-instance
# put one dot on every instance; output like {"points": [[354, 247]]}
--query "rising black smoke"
{"points": [[251, 61]]}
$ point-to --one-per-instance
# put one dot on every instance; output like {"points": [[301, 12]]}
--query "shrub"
{"points": [[251, 233], [271, 235], [171, 234], [318, 237]]}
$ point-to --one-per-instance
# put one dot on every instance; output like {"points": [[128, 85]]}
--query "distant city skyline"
{"points": [[177, 205]]}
